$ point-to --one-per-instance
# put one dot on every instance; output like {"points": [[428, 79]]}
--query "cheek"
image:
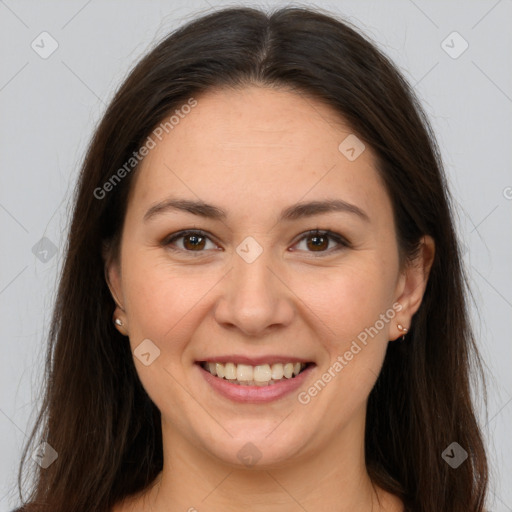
{"points": [[347, 299], [353, 312], [164, 301], [164, 304]]}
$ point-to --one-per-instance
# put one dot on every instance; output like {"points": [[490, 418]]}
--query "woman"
{"points": [[262, 304]]}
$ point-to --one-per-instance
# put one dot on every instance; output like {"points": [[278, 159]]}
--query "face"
{"points": [[258, 279]]}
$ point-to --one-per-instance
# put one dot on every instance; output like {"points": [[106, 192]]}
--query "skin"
{"points": [[254, 152]]}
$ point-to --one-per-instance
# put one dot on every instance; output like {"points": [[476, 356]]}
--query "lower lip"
{"points": [[255, 394]]}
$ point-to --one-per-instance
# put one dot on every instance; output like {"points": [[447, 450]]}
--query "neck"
{"points": [[334, 477]]}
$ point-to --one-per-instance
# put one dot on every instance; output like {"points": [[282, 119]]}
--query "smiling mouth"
{"points": [[260, 375]]}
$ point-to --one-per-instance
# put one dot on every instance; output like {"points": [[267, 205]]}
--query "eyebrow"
{"points": [[294, 212]]}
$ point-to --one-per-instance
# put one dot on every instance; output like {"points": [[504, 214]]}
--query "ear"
{"points": [[113, 277], [412, 284]]}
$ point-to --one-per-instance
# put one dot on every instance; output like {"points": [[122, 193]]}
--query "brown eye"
{"points": [[189, 241], [317, 242], [322, 242], [192, 242]]}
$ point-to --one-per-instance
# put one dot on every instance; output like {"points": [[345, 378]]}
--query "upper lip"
{"points": [[254, 361]]}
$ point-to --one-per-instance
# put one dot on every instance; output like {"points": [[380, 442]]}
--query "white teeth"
{"points": [[219, 370], [229, 370], [260, 375], [277, 371], [244, 372]]}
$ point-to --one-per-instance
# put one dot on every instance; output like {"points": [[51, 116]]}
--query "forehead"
{"points": [[258, 147]]}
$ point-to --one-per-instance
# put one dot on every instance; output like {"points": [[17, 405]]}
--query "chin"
{"points": [[262, 451]]}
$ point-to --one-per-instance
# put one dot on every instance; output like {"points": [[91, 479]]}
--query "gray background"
{"points": [[49, 107]]}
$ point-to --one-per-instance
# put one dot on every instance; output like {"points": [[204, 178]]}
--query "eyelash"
{"points": [[343, 242]]}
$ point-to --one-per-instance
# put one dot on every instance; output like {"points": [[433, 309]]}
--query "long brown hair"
{"points": [[95, 412]]}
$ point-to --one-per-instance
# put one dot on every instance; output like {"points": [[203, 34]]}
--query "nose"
{"points": [[255, 298]]}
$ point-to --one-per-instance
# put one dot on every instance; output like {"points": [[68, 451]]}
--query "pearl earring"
{"points": [[402, 329], [118, 321]]}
